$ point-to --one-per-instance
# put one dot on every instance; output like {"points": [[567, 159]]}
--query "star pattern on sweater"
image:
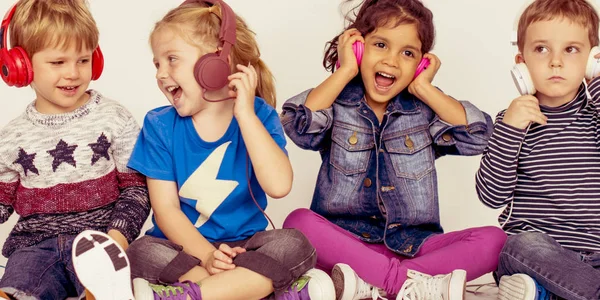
{"points": [[62, 153], [100, 148], [26, 161]]}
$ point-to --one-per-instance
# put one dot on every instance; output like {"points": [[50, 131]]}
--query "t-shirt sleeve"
{"points": [[273, 125], [151, 155]]}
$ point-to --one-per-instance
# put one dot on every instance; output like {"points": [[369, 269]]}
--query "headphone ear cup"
{"points": [[593, 65], [211, 72], [97, 63], [20, 71], [522, 79]]}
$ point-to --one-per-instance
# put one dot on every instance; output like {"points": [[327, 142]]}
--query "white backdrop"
{"points": [[473, 43]]}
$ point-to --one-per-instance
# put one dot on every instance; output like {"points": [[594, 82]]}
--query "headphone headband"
{"points": [[227, 30], [4, 26], [212, 69]]}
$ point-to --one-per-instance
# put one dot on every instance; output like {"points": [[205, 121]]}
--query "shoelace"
{"points": [[364, 290], [421, 288], [177, 291]]}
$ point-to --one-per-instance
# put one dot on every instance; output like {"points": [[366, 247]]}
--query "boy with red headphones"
{"points": [[543, 159], [63, 162]]}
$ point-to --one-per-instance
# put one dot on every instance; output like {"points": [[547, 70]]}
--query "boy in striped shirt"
{"points": [[543, 160]]}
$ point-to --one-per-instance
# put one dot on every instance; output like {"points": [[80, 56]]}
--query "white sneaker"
{"points": [[102, 266], [348, 286], [320, 285], [521, 287], [419, 286]]}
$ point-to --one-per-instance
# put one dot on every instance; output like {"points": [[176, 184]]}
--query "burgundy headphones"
{"points": [[15, 64], [212, 69]]}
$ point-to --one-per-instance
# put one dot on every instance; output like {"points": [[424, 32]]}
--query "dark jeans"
{"points": [[281, 255], [42, 271], [568, 274]]}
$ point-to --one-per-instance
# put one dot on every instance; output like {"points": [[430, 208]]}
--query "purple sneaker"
{"points": [[144, 290]]}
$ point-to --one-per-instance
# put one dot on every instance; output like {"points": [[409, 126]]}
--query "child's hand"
{"points": [[524, 110], [244, 85], [221, 259], [346, 55], [426, 77]]}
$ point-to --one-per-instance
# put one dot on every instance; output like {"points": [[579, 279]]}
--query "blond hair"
{"points": [[578, 11], [39, 24], [199, 25]]}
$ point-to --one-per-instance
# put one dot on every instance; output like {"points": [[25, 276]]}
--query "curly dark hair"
{"points": [[379, 13]]}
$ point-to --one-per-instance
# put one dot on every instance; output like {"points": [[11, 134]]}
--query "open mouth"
{"points": [[384, 81], [175, 90], [69, 90]]}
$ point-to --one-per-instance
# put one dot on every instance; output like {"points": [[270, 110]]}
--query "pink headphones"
{"points": [[212, 69], [15, 64], [359, 48]]}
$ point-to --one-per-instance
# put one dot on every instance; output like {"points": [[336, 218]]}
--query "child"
{"points": [[374, 218], [211, 158], [542, 160], [63, 161]]}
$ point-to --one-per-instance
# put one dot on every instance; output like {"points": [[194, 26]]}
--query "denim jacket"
{"points": [[378, 181]]}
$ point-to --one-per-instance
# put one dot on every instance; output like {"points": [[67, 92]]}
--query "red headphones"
{"points": [[212, 69], [15, 65]]}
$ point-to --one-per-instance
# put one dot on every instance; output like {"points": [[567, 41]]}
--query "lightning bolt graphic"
{"points": [[204, 187]]}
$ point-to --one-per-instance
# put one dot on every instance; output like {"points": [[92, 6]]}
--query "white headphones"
{"points": [[524, 83]]}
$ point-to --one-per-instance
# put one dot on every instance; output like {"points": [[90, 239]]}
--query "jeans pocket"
{"points": [[411, 154]]}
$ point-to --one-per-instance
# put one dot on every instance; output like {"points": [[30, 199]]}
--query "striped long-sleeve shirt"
{"points": [[550, 174]]}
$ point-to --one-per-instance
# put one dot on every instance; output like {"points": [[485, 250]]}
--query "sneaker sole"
{"points": [[320, 286], [343, 283], [516, 287], [457, 285], [102, 266]]}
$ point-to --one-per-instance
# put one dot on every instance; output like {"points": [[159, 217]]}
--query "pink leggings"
{"points": [[475, 250]]}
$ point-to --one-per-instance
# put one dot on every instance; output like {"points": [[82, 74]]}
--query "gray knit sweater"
{"points": [[68, 172]]}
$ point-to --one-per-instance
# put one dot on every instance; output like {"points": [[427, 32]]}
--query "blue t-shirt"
{"points": [[211, 177]]}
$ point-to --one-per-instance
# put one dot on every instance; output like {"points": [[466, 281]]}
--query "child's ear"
{"points": [[519, 58]]}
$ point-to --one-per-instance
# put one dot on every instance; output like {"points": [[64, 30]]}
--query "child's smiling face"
{"points": [[174, 59], [62, 76], [390, 60]]}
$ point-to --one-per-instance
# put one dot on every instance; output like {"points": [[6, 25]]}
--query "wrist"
{"points": [[346, 74], [423, 90], [245, 116]]}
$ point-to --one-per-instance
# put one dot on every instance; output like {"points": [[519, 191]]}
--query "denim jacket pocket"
{"points": [[411, 154], [351, 148]]}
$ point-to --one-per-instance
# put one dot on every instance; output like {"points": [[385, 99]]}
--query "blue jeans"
{"points": [[42, 271], [568, 274]]}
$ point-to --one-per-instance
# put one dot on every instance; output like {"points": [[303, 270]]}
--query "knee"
{"points": [[144, 249], [494, 238], [527, 240], [530, 244], [297, 242], [299, 218]]}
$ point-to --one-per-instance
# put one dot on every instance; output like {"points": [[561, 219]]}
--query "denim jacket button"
{"points": [[409, 143], [368, 182], [408, 249], [353, 139], [446, 137], [366, 235]]}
